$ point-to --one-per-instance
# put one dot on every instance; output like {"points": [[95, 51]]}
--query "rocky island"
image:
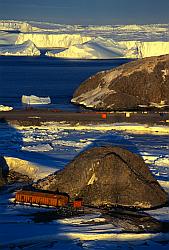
{"points": [[139, 84]]}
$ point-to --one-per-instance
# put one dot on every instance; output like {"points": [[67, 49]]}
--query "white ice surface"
{"points": [[43, 40], [89, 42], [102, 48], [25, 49], [7, 38], [5, 108]]}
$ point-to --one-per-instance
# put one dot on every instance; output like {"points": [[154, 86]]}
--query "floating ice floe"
{"points": [[38, 148], [5, 108], [32, 99], [27, 48]]}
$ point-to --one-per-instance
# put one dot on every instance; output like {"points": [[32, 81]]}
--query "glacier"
{"points": [[32, 99], [25, 49]]}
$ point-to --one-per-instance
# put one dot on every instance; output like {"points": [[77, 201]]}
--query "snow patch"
{"points": [[92, 179], [34, 171]]}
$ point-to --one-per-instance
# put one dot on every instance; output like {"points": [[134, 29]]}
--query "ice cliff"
{"points": [[26, 49], [101, 48], [48, 40]]}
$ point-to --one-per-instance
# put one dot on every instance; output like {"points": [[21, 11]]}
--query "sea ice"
{"points": [[5, 108]]}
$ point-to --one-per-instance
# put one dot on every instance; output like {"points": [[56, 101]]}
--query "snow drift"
{"points": [[25, 49], [32, 99]]}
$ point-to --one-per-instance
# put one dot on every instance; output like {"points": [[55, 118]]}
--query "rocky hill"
{"points": [[141, 83], [108, 176]]}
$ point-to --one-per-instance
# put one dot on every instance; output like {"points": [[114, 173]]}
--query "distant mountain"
{"points": [[144, 83]]}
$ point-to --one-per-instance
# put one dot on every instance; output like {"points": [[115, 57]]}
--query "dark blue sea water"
{"points": [[43, 76]]}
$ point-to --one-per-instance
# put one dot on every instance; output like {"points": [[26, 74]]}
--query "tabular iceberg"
{"points": [[85, 42], [52, 40], [101, 48], [32, 99]]}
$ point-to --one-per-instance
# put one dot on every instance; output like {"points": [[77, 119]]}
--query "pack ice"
{"points": [[32, 99]]}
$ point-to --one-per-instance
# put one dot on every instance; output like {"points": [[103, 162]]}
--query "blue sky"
{"points": [[87, 11]]}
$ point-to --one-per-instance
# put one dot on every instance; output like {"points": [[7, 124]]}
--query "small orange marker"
{"points": [[104, 116]]}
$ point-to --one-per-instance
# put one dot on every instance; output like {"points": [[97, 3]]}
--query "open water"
{"points": [[43, 76]]}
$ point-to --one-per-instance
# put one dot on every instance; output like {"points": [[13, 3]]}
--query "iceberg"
{"points": [[52, 40], [5, 108], [99, 48], [32, 99], [26, 49], [85, 42], [7, 38], [102, 48]]}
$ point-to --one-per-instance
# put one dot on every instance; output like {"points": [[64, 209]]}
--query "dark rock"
{"points": [[108, 176], [15, 177], [3, 171], [141, 82]]}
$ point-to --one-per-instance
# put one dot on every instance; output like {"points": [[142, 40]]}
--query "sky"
{"points": [[87, 11]]}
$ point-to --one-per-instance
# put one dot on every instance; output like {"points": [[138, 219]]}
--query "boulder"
{"points": [[141, 83], [110, 176]]}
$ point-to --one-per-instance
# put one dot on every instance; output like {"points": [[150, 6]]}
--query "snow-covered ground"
{"points": [[41, 150], [89, 42]]}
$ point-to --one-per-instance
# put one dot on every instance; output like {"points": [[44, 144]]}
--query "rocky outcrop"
{"points": [[3, 171], [144, 83], [108, 176]]}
